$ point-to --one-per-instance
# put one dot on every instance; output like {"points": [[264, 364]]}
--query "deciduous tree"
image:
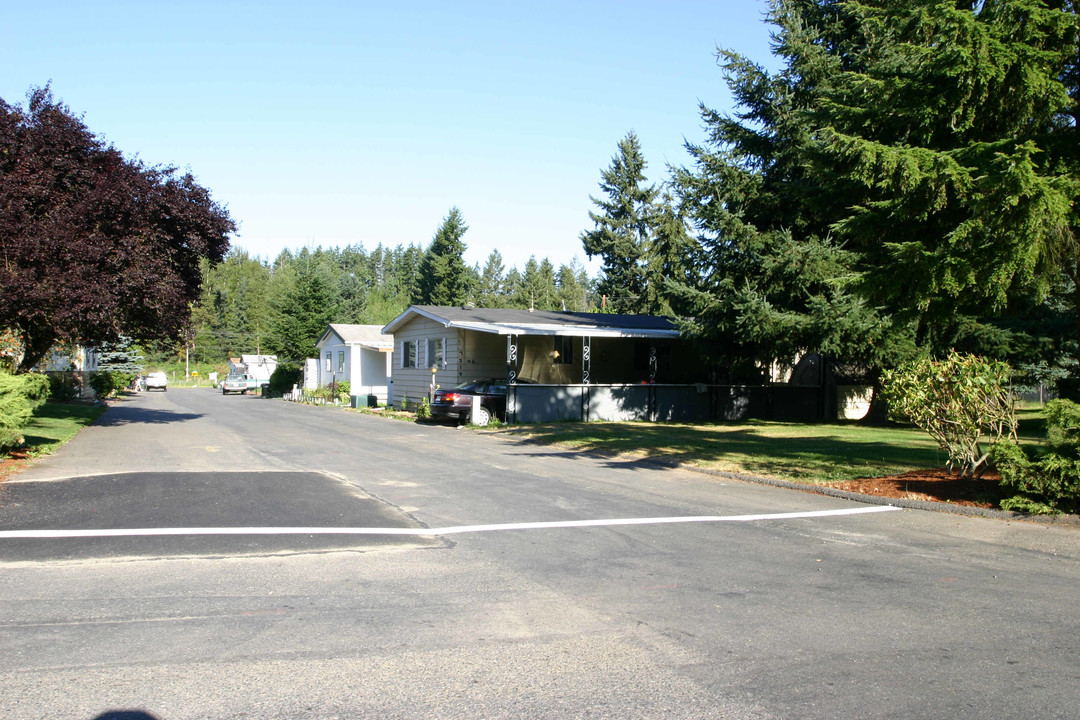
{"points": [[93, 245]]}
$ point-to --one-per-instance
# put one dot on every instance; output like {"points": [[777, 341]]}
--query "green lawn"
{"points": [[56, 423], [805, 452]]}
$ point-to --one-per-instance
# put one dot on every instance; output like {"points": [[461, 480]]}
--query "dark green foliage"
{"points": [[19, 396], [305, 304], [106, 383], [444, 278], [920, 158], [624, 227], [285, 376], [1047, 477], [490, 287], [62, 387]]}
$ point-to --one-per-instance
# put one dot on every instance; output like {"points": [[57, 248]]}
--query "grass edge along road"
{"points": [[815, 452], [800, 451], [52, 425]]}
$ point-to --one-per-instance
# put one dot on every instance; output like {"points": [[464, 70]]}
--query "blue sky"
{"points": [[336, 123]]}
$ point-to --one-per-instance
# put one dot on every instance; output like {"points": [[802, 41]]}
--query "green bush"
{"points": [[107, 383], [423, 410], [958, 401], [20, 395], [62, 387], [285, 376], [343, 390], [1046, 477]]}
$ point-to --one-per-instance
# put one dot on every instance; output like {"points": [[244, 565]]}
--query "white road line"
{"points": [[427, 532]]}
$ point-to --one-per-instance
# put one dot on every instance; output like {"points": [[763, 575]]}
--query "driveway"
{"points": [[194, 555]]}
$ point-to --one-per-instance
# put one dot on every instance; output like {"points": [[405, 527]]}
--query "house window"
{"points": [[435, 353], [564, 350], [329, 359], [341, 361], [408, 354]]}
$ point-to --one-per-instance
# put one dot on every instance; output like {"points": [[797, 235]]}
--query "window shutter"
{"points": [[445, 350], [421, 354]]}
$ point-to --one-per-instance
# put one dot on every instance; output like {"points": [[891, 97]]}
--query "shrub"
{"points": [[1046, 478], [285, 376], [957, 401], [109, 382], [423, 410], [62, 387], [343, 390], [20, 395]]}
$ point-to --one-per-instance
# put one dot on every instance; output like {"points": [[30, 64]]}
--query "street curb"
{"points": [[930, 505]]}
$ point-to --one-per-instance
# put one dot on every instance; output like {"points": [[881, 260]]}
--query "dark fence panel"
{"points": [[665, 403]]}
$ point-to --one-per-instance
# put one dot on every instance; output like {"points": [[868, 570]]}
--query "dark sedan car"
{"points": [[456, 403]]}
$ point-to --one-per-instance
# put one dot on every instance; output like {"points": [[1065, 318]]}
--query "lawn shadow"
{"points": [[824, 455]]}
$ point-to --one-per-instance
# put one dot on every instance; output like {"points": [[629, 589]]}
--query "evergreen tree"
{"points": [[444, 277], [573, 287], [624, 228], [233, 314], [490, 287], [536, 289], [305, 302], [897, 178], [671, 262]]}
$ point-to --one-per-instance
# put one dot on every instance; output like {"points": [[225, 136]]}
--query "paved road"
{"points": [[467, 576]]}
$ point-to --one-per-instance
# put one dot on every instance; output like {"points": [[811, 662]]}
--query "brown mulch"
{"points": [[936, 484], [13, 462]]}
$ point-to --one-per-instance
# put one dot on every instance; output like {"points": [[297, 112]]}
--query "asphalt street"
{"points": [[199, 556]]}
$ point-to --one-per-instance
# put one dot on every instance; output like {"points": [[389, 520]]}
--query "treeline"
{"points": [[282, 306]]}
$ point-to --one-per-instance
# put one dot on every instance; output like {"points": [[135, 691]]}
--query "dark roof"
{"points": [[539, 322]]}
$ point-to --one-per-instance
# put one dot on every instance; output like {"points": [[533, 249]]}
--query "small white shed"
{"points": [[358, 354]]}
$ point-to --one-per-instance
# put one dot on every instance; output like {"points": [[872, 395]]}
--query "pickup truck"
{"points": [[240, 384]]}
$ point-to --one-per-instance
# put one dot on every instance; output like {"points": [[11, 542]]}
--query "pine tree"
{"points": [[905, 154], [490, 288], [444, 277], [624, 228]]}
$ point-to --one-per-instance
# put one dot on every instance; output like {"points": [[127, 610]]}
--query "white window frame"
{"points": [[437, 352]]}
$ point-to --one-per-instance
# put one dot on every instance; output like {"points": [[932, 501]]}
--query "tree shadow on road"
{"points": [[128, 415]]}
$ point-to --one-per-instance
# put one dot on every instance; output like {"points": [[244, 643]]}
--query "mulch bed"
{"points": [[936, 484]]}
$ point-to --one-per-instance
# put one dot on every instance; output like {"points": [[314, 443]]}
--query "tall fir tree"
{"points": [[490, 288], [905, 156], [444, 277], [624, 227]]}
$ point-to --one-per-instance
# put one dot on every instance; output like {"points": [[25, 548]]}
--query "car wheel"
{"points": [[481, 417]]}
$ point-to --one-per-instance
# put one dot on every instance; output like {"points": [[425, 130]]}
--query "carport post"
{"points": [[511, 378], [586, 370]]}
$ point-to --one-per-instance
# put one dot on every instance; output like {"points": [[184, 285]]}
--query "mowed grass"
{"points": [[803, 452], [56, 423]]}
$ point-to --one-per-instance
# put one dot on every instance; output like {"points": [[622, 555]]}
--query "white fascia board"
{"points": [[326, 336], [407, 316]]}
